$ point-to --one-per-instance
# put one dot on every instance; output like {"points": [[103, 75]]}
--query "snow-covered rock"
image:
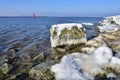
{"points": [[67, 34], [108, 28], [115, 60], [112, 20], [68, 69], [89, 24], [81, 66], [102, 55], [110, 24], [76, 66]]}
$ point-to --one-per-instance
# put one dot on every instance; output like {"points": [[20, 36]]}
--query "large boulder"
{"points": [[67, 34]]}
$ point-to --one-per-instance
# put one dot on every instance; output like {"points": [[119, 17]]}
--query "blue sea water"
{"points": [[19, 29]]}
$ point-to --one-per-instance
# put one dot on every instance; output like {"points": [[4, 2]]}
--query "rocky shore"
{"points": [[97, 59], [71, 56]]}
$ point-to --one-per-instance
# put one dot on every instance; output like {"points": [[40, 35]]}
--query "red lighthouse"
{"points": [[33, 15]]}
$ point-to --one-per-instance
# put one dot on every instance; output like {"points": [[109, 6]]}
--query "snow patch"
{"points": [[107, 28], [102, 55], [59, 27], [112, 20], [68, 38], [68, 69], [115, 60]]}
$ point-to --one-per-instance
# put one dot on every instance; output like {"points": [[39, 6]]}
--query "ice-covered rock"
{"points": [[89, 24], [68, 69], [115, 60], [112, 20], [108, 28], [102, 55], [79, 66], [67, 34], [110, 24]]}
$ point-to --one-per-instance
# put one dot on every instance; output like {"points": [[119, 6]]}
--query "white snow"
{"points": [[107, 28], [91, 65], [53, 41], [102, 55], [115, 60], [108, 20], [59, 27], [85, 23], [68, 69], [115, 18], [110, 24]]}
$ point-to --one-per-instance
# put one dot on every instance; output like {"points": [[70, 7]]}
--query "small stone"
{"points": [[39, 57], [4, 68]]}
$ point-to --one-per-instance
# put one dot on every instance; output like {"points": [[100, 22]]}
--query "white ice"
{"points": [[107, 28], [70, 65], [59, 27], [85, 23]]}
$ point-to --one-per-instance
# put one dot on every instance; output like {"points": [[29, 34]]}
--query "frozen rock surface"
{"points": [[78, 66], [67, 34], [112, 20], [68, 69], [107, 28], [110, 24]]}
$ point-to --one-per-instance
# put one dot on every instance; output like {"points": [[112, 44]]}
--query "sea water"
{"points": [[27, 30]]}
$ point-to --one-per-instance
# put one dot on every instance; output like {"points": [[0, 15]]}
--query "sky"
{"points": [[81, 8]]}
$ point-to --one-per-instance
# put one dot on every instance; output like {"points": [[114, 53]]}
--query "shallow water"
{"points": [[24, 38], [27, 30]]}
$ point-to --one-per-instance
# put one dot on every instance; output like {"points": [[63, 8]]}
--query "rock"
{"points": [[96, 65], [115, 20], [5, 68], [99, 77], [102, 55], [88, 49], [96, 42], [108, 28], [69, 67], [110, 24], [67, 34], [111, 75], [42, 71], [39, 58]]}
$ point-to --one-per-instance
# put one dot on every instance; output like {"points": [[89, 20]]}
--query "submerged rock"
{"points": [[42, 71], [5, 68], [67, 34]]}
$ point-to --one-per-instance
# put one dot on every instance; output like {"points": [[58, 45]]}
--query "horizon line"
{"points": [[50, 16]]}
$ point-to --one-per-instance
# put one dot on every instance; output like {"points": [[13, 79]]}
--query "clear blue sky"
{"points": [[59, 7]]}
